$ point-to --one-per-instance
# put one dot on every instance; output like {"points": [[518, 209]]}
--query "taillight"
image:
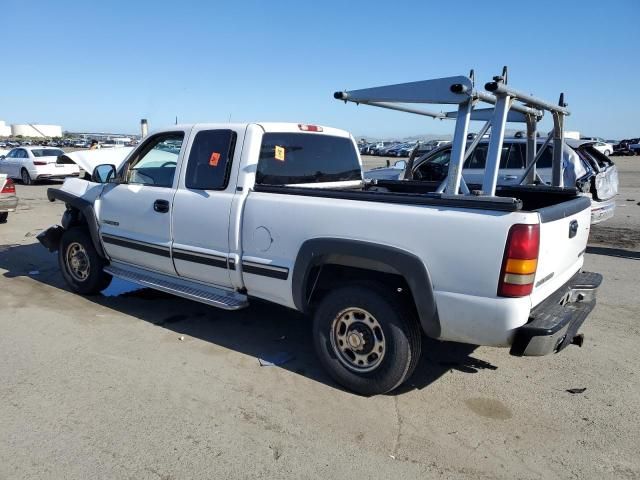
{"points": [[520, 261], [39, 162], [309, 128], [9, 187]]}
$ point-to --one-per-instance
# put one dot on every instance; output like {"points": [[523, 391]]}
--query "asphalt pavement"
{"points": [[139, 384]]}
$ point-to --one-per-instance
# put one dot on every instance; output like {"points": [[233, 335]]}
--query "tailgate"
{"points": [[564, 231]]}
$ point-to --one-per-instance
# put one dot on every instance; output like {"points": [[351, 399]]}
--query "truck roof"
{"points": [[289, 127]]}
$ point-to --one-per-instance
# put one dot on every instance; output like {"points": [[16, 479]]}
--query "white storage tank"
{"points": [[36, 130], [5, 130]]}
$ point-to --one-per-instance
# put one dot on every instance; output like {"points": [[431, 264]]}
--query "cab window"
{"points": [[293, 158]]}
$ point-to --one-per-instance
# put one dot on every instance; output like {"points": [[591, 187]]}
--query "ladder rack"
{"points": [[509, 105]]}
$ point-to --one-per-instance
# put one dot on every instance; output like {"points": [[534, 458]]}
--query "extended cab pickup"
{"points": [[222, 213]]}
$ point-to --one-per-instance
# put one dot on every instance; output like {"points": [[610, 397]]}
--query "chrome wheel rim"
{"points": [[78, 263], [357, 340]]}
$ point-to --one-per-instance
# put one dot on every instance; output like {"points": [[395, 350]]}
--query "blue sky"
{"points": [[101, 66]]}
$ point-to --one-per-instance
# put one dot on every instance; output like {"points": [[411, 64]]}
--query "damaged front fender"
{"points": [[50, 238]]}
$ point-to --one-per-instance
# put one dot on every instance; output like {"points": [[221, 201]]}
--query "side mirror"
{"points": [[2, 157], [104, 173], [400, 165]]}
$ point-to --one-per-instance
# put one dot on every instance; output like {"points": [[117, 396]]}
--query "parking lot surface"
{"points": [[139, 384]]}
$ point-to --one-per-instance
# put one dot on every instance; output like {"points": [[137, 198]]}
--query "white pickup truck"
{"points": [[221, 213]]}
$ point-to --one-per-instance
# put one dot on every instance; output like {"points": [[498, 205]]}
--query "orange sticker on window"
{"points": [[214, 159], [279, 153]]}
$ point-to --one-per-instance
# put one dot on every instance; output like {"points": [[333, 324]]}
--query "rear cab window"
{"points": [[210, 160], [302, 158]]}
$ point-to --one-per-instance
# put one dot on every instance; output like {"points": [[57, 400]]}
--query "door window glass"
{"points": [[515, 159], [433, 168], [210, 160], [155, 164], [546, 158], [478, 158]]}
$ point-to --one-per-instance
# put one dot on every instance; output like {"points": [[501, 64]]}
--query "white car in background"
{"points": [[600, 144], [31, 164]]}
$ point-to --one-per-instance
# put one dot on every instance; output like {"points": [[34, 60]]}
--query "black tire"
{"points": [[3, 217], [76, 246], [25, 177], [402, 338]]}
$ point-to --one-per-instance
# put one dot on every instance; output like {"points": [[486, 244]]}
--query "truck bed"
{"points": [[411, 192]]}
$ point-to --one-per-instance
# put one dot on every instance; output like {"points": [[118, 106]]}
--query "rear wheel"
{"points": [[81, 266], [26, 178], [3, 217], [368, 341]]}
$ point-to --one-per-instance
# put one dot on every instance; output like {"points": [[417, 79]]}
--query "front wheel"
{"points": [[81, 266], [366, 339], [607, 153]]}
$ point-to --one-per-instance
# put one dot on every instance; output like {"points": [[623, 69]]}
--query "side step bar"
{"points": [[216, 297]]}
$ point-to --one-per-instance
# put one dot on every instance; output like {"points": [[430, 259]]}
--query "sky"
{"points": [[104, 65]]}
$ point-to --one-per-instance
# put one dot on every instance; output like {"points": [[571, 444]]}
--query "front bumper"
{"points": [[8, 203], [555, 322]]}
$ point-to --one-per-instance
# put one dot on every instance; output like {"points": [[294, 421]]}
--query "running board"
{"points": [[216, 297]]}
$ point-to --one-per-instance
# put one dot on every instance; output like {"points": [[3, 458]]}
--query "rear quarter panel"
{"points": [[461, 249]]}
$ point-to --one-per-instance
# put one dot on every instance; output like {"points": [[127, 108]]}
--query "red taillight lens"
{"points": [[9, 187], [520, 261], [309, 128], [38, 162]]}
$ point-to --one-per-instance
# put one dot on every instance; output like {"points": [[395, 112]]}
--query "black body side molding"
{"points": [[316, 252]]}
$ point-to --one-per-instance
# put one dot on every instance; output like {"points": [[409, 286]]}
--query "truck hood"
{"points": [[88, 160]]}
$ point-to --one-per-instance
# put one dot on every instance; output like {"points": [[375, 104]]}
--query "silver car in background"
{"points": [[584, 167], [8, 197]]}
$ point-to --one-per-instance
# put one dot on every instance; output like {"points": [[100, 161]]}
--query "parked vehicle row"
{"points": [[399, 149], [375, 148], [68, 142]]}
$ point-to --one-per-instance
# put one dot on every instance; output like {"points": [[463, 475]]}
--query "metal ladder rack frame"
{"points": [[460, 91]]}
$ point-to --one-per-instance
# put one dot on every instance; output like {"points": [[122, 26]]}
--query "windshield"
{"points": [[287, 158], [46, 152]]}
